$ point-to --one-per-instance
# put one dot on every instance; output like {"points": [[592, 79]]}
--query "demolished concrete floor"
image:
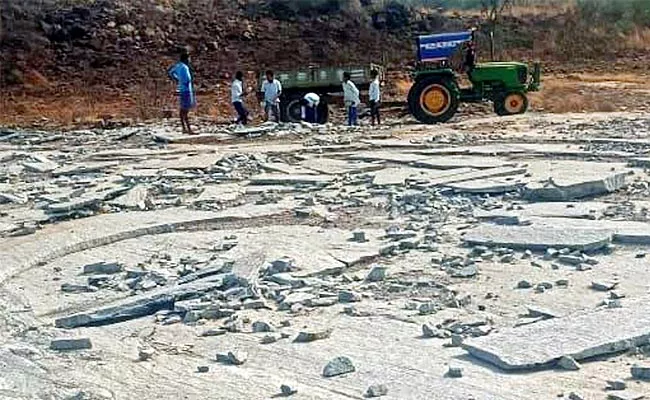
{"points": [[432, 259]]}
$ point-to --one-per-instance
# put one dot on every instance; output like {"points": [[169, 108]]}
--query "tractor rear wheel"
{"points": [[511, 103], [433, 100]]}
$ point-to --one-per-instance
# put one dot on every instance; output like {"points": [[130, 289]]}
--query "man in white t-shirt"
{"points": [[374, 97], [309, 107], [350, 98], [272, 89], [237, 94]]}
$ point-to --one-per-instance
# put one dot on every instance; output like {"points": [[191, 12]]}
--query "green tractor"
{"points": [[435, 94]]}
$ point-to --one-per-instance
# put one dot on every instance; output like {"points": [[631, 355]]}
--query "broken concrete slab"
{"points": [[625, 395], [220, 193], [116, 314], [538, 237], [283, 179], [135, 198], [581, 336], [70, 344], [332, 166], [78, 169], [553, 190], [489, 186], [451, 162], [399, 175], [478, 174], [579, 210]]}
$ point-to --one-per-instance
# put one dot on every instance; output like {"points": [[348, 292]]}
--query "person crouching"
{"points": [[309, 109]]}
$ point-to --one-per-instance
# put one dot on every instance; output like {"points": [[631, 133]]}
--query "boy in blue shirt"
{"points": [[182, 75]]}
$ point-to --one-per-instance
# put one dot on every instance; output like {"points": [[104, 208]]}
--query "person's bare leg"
{"points": [[182, 118]]}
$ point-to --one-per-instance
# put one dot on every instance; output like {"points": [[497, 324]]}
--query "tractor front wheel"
{"points": [[511, 104], [433, 100]]}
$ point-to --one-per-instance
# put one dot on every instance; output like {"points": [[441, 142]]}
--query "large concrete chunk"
{"points": [[560, 191], [539, 345], [538, 237], [117, 314]]}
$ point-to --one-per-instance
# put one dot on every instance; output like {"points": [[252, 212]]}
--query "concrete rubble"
{"points": [[334, 263]]}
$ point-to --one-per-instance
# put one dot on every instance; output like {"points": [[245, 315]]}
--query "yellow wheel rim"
{"points": [[435, 99], [514, 103]]}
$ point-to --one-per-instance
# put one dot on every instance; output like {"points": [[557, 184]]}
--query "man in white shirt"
{"points": [[374, 96], [237, 93], [351, 98], [272, 89], [309, 108]]}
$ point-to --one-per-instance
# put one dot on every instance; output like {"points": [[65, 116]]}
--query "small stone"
{"points": [[427, 308], [311, 336], [456, 340], [618, 384], [536, 264], [568, 363], [338, 366], [583, 267], [562, 282], [575, 396], [70, 344], [287, 390], [455, 372], [507, 259], [465, 272], [359, 237], [524, 285], [640, 255], [614, 295], [377, 273], [202, 369], [641, 372], [570, 260], [377, 391], [262, 326], [546, 285], [603, 286], [550, 253], [232, 357], [146, 353], [251, 304], [213, 332], [270, 338], [614, 304], [540, 289], [102, 268], [527, 254], [347, 296]]}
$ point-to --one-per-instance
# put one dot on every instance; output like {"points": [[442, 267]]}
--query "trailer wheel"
{"points": [[433, 100], [290, 109], [511, 104]]}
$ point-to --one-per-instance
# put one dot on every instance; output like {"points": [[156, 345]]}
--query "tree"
{"points": [[491, 10]]}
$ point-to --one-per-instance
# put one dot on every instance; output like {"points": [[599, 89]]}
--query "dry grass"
{"points": [[638, 39], [592, 93]]}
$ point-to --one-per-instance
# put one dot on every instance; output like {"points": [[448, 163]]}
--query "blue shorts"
{"points": [[186, 100]]}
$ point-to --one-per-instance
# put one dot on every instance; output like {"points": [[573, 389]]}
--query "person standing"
{"points": [[237, 94], [374, 97], [182, 75], [272, 89], [310, 108], [350, 98]]}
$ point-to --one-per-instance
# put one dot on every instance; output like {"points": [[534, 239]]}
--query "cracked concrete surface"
{"points": [[257, 240]]}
